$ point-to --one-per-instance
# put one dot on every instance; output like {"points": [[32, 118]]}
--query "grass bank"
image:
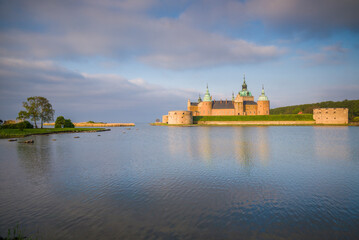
{"points": [[283, 117], [15, 133]]}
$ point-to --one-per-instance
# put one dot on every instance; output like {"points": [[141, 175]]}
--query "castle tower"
{"points": [[206, 104], [263, 104]]}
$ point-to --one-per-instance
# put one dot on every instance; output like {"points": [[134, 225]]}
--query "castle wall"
{"points": [[205, 109], [263, 108], [180, 117], [165, 119], [222, 112], [192, 108], [250, 109], [330, 115]]}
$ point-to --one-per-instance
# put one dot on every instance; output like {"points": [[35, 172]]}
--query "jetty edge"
{"points": [[17, 133], [88, 124]]}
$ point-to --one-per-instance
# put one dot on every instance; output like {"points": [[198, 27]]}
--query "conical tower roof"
{"points": [[207, 96], [263, 96]]}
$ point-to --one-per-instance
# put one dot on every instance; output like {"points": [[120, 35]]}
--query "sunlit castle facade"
{"points": [[242, 104]]}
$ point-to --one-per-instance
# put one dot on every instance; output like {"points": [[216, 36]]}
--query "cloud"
{"points": [[328, 55], [314, 17], [121, 30], [83, 96]]}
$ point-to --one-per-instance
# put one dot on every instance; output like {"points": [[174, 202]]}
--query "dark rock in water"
{"points": [[77, 137], [12, 140], [98, 135], [53, 139], [29, 141]]}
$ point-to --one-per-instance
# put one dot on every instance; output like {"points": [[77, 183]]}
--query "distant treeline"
{"points": [[352, 105]]}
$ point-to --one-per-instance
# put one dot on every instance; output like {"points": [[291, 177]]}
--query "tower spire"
{"points": [[207, 96], [244, 85]]}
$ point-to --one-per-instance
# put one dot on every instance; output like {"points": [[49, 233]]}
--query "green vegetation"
{"points": [[14, 133], [37, 109], [287, 117], [68, 124], [61, 122], [92, 122], [352, 105], [16, 234], [21, 125]]}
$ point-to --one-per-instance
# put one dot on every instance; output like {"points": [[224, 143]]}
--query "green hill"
{"points": [[352, 105]]}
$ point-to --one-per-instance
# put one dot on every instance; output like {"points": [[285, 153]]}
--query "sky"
{"points": [[133, 60]]}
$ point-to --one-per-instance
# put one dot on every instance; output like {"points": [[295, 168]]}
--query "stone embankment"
{"points": [[86, 124]]}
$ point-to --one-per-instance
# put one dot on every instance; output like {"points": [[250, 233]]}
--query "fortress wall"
{"points": [[330, 115], [165, 119], [205, 109], [193, 108], [251, 109], [222, 112], [263, 108], [180, 117]]}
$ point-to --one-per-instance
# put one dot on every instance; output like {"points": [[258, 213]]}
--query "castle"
{"points": [[242, 104]]}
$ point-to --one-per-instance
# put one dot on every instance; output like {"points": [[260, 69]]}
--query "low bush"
{"points": [[20, 125]]}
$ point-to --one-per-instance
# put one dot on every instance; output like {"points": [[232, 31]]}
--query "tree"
{"points": [[37, 109], [68, 124], [46, 111], [60, 122]]}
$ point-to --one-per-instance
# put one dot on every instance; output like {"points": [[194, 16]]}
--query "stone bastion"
{"points": [[179, 117]]}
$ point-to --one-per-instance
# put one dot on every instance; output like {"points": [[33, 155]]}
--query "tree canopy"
{"points": [[61, 122], [37, 109]]}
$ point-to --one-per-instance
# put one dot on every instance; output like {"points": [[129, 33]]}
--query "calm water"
{"points": [[184, 183]]}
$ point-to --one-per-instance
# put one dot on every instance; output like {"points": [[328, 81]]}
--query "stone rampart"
{"points": [[165, 119], [330, 115], [180, 117]]}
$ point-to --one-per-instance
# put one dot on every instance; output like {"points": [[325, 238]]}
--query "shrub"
{"points": [[20, 125], [60, 122], [68, 124]]}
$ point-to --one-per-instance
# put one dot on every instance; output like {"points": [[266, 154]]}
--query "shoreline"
{"points": [[45, 131], [86, 124], [253, 125]]}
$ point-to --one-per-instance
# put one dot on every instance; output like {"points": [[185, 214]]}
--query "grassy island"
{"points": [[15, 133], [282, 117]]}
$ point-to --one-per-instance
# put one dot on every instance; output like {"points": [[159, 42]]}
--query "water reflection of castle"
{"points": [[243, 145]]}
